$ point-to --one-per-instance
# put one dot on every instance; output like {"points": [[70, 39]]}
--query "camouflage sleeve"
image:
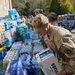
{"points": [[74, 38], [68, 46], [68, 49]]}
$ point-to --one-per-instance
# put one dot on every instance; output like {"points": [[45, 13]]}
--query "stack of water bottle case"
{"points": [[15, 45], [18, 60], [8, 30], [8, 33]]}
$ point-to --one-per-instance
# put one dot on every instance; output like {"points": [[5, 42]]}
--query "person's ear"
{"points": [[46, 24]]}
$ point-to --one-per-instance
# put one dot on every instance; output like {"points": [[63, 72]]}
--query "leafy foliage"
{"points": [[61, 6], [19, 5], [27, 8], [58, 6], [73, 3]]}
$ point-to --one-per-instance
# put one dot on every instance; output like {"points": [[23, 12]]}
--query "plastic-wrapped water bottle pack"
{"points": [[15, 68], [27, 48], [38, 47], [25, 59], [31, 65], [28, 41], [11, 55], [16, 46], [28, 62], [34, 36]]}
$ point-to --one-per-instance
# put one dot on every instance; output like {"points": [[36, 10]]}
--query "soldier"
{"points": [[59, 40], [52, 18], [38, 11]]}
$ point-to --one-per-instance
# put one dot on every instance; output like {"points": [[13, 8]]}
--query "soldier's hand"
{"points": [[62, 73], [41, 40], [32, 50], [32, 44], [31, 53]]}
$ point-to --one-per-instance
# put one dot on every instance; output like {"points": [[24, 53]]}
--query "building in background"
{"points": [[5, 5]]}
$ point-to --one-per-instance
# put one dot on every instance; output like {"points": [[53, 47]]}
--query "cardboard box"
{"points": [[48, 63]]}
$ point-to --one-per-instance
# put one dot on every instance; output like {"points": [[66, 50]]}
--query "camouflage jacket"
{"points": [[62, 43]]}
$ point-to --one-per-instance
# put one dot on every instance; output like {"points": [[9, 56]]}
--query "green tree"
{"points": [[73, 3], [61, 7], [47, 4], [58, 6], [27, 9], [19, 5]]}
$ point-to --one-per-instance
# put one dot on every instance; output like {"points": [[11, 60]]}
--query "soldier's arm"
{"points": [[62, 73]]}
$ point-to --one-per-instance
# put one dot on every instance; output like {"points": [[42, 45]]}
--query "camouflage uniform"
{"points": [[63, 47], [61, 42]]}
